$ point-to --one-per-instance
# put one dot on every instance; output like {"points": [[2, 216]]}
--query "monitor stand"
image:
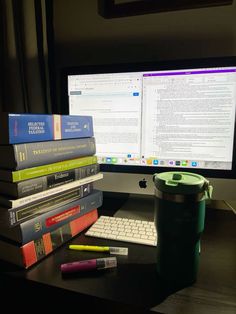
{"points": [[137, 206], [141, 207]]}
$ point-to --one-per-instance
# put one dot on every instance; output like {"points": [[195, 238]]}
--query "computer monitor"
{"points": [[155, 117]]}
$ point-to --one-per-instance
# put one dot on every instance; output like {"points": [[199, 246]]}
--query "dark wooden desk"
{"points": [[134, 286]]}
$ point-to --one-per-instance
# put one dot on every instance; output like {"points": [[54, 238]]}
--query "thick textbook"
{"points": [[16, 215], [33, 198], [35, 172], [33, 251], [47, 222], [36, 185], [22, 156], [24, 128]]}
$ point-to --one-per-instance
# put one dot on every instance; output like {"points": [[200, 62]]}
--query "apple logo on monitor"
{"points": [[143, 183]]}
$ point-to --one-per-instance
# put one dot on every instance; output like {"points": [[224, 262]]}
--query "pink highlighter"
{"points": [[91, 264]]}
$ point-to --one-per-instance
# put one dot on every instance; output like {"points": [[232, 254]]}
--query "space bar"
{"points": [[121, 238], [135, 240]]}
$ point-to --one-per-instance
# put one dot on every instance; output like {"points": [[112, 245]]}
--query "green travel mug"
{"points": [[179, 218]]}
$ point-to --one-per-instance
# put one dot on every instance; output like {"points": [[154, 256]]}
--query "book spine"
{"points": [[51, 241], [48, 193], [33, 251], [18, 215], [25, 128], [22, 156], [34, 172], [47, 222], [40, 184]]}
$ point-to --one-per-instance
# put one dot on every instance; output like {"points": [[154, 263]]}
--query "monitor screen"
{"points": [[164, 116]]}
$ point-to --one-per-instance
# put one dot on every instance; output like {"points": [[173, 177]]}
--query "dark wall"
{"points": [[84, 37]]}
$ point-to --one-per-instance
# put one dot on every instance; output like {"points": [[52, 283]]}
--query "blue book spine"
{"points": [[47, 222], [25, 128]]}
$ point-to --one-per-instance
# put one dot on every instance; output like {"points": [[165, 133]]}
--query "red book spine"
{"points": [[35, 250]]}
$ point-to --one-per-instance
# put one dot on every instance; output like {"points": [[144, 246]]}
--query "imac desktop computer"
{"points": [[155, 117]]}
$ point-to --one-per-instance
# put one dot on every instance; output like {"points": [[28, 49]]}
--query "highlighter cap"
{"points": [[107, 262]]}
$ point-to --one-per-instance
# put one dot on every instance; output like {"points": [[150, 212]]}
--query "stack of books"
{"points": [[47, 169]]}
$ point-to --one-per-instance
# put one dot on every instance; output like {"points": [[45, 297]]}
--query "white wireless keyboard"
{"points": [[124, 229]]}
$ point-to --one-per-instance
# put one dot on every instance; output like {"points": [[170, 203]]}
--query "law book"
{"points": [[22, 156], [24, 128], [35, 172], [30, 253], [14, 216], [49, 221], [30, 199], [33, 186]]}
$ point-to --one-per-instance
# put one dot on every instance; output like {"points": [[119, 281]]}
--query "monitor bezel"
{"points": [[151, 66]]}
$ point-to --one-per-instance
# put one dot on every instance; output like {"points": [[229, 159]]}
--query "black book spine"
{"points": [[36, 185], [18, 215]]}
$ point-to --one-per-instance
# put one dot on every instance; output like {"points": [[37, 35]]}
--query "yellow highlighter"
{"points": [[95, 248]]}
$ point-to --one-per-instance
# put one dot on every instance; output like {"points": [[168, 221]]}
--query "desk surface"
{"points": [[133, 287]]}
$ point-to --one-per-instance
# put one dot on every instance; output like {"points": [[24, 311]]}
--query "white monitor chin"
{"points": [[223, 189]]}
